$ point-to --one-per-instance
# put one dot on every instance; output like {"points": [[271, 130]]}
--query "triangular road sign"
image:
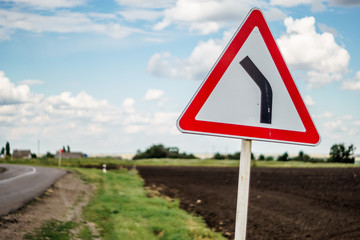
{"points": [[249, 93]]}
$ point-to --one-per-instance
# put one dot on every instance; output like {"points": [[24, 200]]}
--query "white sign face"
{"points": [[236, 99]]}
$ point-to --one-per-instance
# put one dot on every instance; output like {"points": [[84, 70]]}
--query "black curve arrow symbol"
{"points": [[265, 89]]}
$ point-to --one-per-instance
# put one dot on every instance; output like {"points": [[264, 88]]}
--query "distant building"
{"points": [[21, 154], [66, 155]]}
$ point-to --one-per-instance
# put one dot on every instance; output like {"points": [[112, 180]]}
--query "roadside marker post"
{"points": [[60, 156], [249, 94]]}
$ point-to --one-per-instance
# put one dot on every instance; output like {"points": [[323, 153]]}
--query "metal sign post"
{"points": [[243, 190]]}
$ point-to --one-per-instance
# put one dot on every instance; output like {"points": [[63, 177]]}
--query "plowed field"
{"points": [[284, 203]]}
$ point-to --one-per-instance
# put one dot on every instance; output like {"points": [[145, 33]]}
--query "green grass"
{"points": [[85, 233], [52, 229], [122, 210]]}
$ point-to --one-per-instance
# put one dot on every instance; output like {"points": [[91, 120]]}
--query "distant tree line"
{"points": [[339, 153], [49, 155], [301, 157], [234, 156], [267, 158], [160, 151]]}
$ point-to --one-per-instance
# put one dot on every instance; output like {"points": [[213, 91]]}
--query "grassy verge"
{"points": [[122, 210]]}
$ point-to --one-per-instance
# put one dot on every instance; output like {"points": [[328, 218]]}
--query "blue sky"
{"points": [[113, 76]]}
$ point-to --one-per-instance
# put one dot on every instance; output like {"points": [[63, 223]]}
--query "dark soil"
{"points": [[284, 203]]}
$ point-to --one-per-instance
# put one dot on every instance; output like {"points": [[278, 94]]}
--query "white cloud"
{"points": [[64, 117], [209, 16], [5, 33], [196, 66], [146, 3], [151, 123], [290, 3], [140, 14], [333, 129], [309, 101], [11, 94], [153, 94], [352, 84], [163, 123], [80, 101], [325, 28], [344, 3], [53, 114], [31, 82], [102, 16], [134, 118], [342, 128], [95, 129], [131, 129], [316, 5], [154, 40], [46, 4], [347, 117], [196, 15], [128, 105], [323, 59], [274, 14], [61, 22], [325, 115]]}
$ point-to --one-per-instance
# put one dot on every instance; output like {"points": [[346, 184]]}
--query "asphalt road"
{"points": [[21, 184]]}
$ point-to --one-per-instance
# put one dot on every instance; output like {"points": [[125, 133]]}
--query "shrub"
{"points": [[284, 157], [339, 153], [160, 151]]}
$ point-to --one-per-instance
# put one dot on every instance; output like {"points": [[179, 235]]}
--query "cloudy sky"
{"points": [[113, 76]]}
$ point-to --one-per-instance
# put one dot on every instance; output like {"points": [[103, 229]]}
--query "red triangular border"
{"points": [[188, 124]]}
